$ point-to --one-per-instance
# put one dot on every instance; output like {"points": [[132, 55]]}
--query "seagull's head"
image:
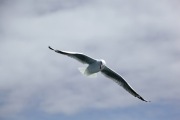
{"points": [[102, 64]]}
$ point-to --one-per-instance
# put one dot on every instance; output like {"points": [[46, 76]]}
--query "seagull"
{"points": [[95, 66]]}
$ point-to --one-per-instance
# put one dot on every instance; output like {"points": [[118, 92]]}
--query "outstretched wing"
{"points": [[78, 56], [118, 79]]}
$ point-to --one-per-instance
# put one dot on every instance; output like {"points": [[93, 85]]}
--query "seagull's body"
{"points": [[95, 66]]}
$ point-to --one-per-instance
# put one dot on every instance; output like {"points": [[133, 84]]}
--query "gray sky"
{"points": [[138, 39]]}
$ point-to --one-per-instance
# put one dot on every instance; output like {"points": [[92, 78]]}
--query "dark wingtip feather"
{"points": [[143, 99], [50, 48]]}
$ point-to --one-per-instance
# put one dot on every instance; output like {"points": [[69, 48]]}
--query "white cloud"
{"points": [[143, 34]]}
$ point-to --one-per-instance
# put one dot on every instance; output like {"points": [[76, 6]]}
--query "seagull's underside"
{"points": [[95, 66]]}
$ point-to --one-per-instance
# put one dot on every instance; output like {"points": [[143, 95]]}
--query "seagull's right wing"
{"points": [[78, 56], [118, 79]]}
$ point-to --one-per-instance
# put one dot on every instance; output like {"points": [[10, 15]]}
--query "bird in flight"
{"points": [[95, 66]]}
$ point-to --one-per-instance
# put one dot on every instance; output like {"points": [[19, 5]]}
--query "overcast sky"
{"points": [[138, 39]]}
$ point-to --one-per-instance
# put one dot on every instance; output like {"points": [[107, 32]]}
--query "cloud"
{"points": [[139, 40]]}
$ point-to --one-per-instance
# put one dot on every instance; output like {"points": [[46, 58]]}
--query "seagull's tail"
{"points": [[84, 72]]}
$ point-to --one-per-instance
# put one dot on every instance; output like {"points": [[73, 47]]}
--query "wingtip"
{"points": [[50, 48], [143, 99], [146, 101]]}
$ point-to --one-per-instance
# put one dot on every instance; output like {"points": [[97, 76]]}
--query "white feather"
{"points": [[83, 70]]}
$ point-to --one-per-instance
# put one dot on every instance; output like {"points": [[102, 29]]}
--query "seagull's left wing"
{"points": [[118, 79], [78, 56]]}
